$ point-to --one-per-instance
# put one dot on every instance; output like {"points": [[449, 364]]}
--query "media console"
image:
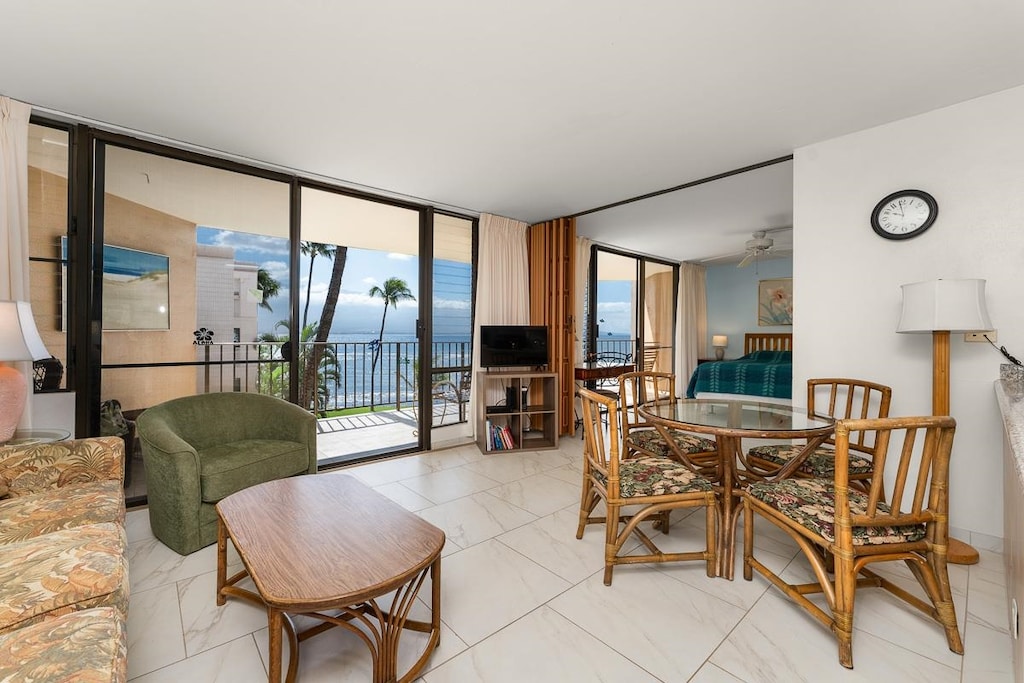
{"points": [[524, 402]]}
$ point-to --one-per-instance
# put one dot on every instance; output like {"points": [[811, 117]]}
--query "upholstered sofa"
{"points": [[63, 562], [200, 449]]}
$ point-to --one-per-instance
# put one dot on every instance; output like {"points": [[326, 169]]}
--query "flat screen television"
{"points": [[513, 346]]}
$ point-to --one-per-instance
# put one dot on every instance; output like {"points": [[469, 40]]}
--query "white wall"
{"points": [[732, 301], [970, 157]]}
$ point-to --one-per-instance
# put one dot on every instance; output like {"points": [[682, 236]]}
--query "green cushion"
{"points": [[231, 467]]}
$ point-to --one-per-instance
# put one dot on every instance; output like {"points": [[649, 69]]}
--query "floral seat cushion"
{"points": [[86, 646], [812, 504], [655, 476], [650, 441], [820, 463], [34, 514], [61, 572]]}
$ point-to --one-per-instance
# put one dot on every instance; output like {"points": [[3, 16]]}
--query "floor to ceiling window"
{"points": [[159, 273], [632, 310], [359, 303]]}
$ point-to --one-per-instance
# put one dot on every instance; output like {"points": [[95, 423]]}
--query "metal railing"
{"points": [[346, 376]]}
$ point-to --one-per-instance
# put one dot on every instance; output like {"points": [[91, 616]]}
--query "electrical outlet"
{"points": [[980, 336]]}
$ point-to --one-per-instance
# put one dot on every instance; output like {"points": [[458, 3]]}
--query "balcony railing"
{"points": [[346, 376]]}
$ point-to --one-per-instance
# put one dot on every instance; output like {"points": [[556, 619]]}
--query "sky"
{"points": [[357, 312], [615, 307]]}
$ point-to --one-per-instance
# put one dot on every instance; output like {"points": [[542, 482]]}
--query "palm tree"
{"points": [[321, 359], [395, 289], [270, 287], [312, 250], [309, 371]]}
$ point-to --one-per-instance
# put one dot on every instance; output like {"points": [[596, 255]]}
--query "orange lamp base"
{"points": [[13, 392]]}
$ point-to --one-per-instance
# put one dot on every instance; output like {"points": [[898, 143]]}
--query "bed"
{"points": [[765, 370]]}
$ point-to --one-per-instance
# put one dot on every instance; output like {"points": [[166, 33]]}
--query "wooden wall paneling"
{"points": [[552, 261]]}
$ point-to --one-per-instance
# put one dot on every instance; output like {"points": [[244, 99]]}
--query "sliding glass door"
{"points": [[632, 310], [359, 307]]}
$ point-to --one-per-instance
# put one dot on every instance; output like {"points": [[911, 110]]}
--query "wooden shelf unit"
{"points": [[534, 427]]}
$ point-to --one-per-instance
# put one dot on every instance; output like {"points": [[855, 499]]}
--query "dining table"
{"points": [[730, 422]]}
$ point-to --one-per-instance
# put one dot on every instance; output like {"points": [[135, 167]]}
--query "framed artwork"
{"points": [[135, 290], [136, 293], [775, 302]]}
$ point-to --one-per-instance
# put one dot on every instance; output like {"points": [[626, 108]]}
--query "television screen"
{"points": [[513, 345]]}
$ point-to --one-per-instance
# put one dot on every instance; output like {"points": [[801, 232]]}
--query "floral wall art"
{"points": [[775, 302]]}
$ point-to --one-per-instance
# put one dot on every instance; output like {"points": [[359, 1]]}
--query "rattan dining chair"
{"points": [[840, 399], [907, 521], [650, 486], [640, 438]]}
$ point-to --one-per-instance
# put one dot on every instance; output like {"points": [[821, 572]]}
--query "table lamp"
{"points": [[19, 341], [939, 307], [719, 341]]}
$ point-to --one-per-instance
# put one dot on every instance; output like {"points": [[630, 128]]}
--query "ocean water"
{"points": [[394, 379]]}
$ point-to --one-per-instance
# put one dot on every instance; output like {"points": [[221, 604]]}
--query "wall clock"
{"points": [[904, 214]]}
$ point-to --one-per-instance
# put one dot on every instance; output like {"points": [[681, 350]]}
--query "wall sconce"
{"points": [[19, 341], [719, 341]]}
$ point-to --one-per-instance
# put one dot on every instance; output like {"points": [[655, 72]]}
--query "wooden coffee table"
{"points": [[328, 542]]}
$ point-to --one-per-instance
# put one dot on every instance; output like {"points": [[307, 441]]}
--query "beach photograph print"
{"points": [[775, 302], [135, 291]]}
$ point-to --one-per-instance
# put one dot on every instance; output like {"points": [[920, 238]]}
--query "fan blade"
{"points": [[747, 259]]}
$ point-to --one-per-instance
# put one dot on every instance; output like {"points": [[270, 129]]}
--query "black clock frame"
{"points": [[933, 212]]}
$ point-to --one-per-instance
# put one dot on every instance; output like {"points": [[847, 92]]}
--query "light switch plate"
{"points": [[992, 335]]}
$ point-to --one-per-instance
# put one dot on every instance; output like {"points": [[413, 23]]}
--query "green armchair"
{"points": [[200, 449]]}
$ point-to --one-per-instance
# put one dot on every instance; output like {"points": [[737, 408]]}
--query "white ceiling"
{"points": [[534, 109]]}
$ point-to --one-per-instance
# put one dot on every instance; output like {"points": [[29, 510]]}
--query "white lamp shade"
{"points": [[944, 305], [719, 340], [19, 338]]}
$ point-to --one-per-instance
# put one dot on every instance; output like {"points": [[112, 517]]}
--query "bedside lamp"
{"points": [[19, 340], [939, 307], [719, 341]]}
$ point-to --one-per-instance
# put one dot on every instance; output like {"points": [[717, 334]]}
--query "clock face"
{"points": [[904, 214]]}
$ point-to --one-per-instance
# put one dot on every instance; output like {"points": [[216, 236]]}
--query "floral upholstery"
{"points": [[61, 572], [654, 476], [820, 463], [38, 467], [40, 513], [650, 441], [811, 503], [87, 646], [63, 562]]}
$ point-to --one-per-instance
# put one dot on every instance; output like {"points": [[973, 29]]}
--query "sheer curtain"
{"points": [[503, 281], [658, 321], [14, 117], [693, 322], [583, 251], [14, 285]]}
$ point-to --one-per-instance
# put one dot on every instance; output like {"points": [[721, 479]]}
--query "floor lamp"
{"points": [[19, 340], [940, 307]]}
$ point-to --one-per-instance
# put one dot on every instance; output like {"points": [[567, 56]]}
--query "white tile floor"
{"points": [[523, 600]]}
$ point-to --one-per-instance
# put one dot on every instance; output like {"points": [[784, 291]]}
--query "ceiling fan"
{"points": [[758, 246]]}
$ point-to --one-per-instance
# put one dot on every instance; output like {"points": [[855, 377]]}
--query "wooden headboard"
{"points": [[773, 341]]}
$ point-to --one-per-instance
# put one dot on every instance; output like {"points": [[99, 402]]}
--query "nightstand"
{"points": [[709, 360]]}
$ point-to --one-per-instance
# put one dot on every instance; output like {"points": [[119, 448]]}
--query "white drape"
{"points": [[14, 285], [583, 251], [503, 281], [692, 332], [14, 117]]}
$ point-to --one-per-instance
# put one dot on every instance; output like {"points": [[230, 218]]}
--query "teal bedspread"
{"points": [[761, 373]]}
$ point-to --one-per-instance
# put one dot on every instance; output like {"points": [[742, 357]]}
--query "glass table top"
{"points": [[24, 437], [740, 415]]}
